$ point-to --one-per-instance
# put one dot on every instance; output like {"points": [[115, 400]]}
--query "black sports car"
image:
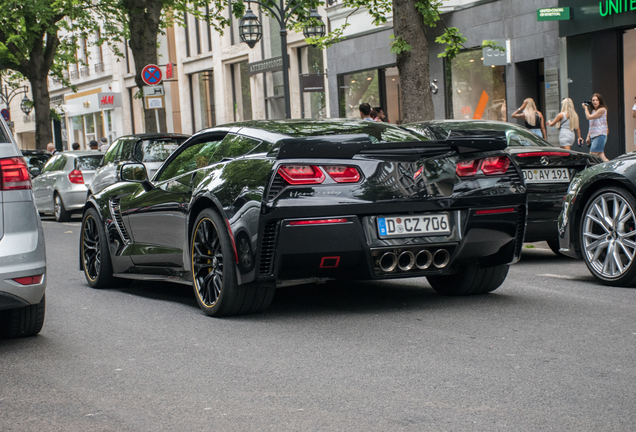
{"points": [[547, 170], [598, 222], [240, 209]]}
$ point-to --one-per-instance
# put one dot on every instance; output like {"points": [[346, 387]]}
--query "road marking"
{"points": [[559, 276]]}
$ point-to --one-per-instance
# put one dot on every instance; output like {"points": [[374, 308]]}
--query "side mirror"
{"points": [[135, 172], [34, 172]]}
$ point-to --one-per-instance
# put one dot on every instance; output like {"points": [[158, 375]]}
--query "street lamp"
{"points": [[251, 30], [26, 105], [7, 96]]}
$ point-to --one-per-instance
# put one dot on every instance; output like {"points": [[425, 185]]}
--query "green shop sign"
{"points": [[613, 7], [557, 13]]}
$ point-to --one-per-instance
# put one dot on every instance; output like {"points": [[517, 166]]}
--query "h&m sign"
{"points": [[109, 100]]}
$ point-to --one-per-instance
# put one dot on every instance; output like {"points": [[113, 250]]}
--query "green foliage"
{"points": [[453, 40], [399, 45], [492, 45]]}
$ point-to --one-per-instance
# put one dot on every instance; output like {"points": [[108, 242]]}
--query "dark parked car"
{"points": [[242, 208], [547, 170], [150, 149], [60, 189], [35, 160], [598, 222]]}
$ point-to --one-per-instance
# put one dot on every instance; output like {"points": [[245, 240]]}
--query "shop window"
{"points": [[205, 116], [312, 82], [358, 88], [475, 91], [241, 92]]}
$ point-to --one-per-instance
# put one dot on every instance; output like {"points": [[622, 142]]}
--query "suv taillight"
{"points": [[489, 166], [14, 174], [76, 177]]}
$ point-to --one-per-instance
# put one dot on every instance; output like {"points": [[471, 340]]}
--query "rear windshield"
{"points": [[156, 150], [36, 161], [88, 163]]}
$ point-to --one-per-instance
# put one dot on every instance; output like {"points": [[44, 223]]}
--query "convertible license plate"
{"points": [[546, 175], [402, 226]]}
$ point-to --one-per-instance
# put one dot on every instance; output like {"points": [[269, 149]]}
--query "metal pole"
{"points": [[283, 45], [157, 118]]}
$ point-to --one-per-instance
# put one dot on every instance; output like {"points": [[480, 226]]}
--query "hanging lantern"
{"points": [[317, 28], [26, 105], [250, 29]]}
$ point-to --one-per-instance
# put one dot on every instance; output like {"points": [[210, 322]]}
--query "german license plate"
{"points": [[406, 226], [546, 175]]}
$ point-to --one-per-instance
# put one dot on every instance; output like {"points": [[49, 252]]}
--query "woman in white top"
{"points": [[567, 121]]}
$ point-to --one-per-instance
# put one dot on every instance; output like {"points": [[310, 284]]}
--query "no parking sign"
{"points": [[151, 75], [6, 115]]}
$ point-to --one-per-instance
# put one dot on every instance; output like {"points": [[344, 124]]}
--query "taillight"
{"points": [[495, 165], [543, 153], [467, 168], [489, 166], [14, 174], [76, 177], [301, 174], [343, 174]]}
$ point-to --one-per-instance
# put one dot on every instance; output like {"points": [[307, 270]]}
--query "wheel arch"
{"points": [[207, 202], [582, 200]]}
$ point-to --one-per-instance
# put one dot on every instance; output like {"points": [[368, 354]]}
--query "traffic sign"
{"points": [[151, 75], [6, 115]]}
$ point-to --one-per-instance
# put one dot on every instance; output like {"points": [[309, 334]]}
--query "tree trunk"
{"points": [[145, 18], [415, 90], [42, 108]]}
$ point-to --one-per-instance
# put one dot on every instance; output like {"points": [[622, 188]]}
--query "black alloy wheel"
{"points": [[95, 256], [214, 272]]}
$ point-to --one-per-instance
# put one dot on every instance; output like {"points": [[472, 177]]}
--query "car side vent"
{"points": [[276, 187], [115, 212], [268, 248]]}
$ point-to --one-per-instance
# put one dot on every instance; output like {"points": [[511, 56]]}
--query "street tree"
{"points": [[38, 39]]}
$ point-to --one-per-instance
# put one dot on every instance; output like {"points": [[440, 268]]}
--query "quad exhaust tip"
{"points": [[441, 258], [388, 262], [406, 261], [423, 259]]}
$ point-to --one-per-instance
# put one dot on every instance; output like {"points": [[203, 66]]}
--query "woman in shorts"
{"points": [[567, 121], [597, 134]]}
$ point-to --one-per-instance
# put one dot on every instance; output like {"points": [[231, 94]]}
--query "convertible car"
{"points": [[240, 209]]}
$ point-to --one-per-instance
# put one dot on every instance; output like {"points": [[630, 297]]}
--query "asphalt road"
{"points": [[550, 350]]}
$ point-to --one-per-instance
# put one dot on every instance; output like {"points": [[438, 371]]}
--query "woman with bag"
{"points": [[597, 134], [567, 121]]}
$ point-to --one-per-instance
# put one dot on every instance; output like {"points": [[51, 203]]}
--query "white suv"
{"points": [[22, 252]]}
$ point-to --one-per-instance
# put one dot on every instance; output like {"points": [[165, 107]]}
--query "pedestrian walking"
{"points": [[50, 147], [93, 145], [567, 121], [533, 118], [597, 133], [76, 146], [374, 115], [381, 114], [103, 144]]}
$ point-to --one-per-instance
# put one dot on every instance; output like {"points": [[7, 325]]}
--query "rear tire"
{"points": [[470, 280], [23, 322], [94, 253], [61, 215], [214, 272]]}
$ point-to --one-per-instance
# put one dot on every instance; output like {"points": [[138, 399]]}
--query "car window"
{"points": [[196, 156], [112, 153], [87, 163], [526, 139], [127, 150], [37, 161], [234, 146], [59, 164], [156, 150], [49, 165]]}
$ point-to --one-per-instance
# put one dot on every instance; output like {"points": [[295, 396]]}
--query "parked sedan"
{"points": [[308, 201], [61, 187], [35, 160], [149, 149], [598, 221], [22, 251], [547, 170]]}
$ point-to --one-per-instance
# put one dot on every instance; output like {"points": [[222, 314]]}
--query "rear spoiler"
{"points": [[347, 146]]}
